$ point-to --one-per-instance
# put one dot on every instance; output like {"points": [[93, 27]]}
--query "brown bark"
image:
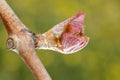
{"points": [[22, 40]]}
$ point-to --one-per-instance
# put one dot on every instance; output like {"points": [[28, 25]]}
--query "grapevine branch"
{"points": [[23, 41]]}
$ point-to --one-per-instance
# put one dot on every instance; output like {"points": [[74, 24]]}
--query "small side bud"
{"points": [[10, 43]]}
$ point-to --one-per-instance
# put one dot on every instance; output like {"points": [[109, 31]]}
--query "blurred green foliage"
{"points": [[100, 60]]}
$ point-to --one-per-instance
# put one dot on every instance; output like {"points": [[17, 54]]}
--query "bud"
{"points": [[66, 37]]}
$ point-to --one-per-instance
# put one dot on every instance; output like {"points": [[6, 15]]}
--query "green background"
{"points": [[100, 60]]}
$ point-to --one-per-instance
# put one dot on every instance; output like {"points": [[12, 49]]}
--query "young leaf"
{"points": [[66, 37]]}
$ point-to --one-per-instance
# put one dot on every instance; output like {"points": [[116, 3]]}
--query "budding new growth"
{"points": [[67, 36]]}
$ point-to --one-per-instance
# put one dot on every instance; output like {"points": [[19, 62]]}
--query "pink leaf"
{"points": [[66, 37]]}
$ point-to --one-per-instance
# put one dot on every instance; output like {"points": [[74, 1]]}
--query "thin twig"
{"points": [[22, 40]]}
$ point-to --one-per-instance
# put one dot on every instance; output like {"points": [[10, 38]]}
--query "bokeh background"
{"points": [[100, 60]]}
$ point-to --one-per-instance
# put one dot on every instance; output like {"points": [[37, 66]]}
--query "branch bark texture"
{"points": [[22, 40]]}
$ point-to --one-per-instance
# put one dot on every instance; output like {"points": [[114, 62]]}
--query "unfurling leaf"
{"points": [[66, 37]]}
